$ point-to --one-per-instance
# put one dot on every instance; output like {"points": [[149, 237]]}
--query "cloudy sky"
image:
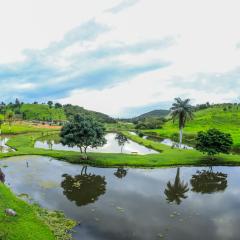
{"points": [[121, 57]]}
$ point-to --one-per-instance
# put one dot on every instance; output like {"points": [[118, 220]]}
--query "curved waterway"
{"points": [[142, 204], [112, 146]]}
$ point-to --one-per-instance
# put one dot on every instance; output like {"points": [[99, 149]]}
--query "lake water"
{"points": [[3, 147], [140, 204], [112, 146]]}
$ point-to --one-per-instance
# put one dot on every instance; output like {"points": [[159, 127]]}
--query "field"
{"points": [[227, 121], [42, 112]]}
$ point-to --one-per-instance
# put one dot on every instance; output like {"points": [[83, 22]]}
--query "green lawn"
{"points": [[31, 222], [18, 128], [167, 156], [215, 117]]}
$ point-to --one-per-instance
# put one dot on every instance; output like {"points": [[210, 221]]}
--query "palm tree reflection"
{"points": [[84, 188], [207, 181], [176, 191]]}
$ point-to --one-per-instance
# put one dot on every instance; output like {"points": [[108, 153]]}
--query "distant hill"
{"points": [[72, 110], [42, 112], [154, 113]]}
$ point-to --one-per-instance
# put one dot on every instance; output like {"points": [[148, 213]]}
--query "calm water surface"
{"points": [[143, 204], [3, 147], [112, 146]]}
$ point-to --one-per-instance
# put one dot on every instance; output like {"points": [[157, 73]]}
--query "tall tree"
{"points": [[182, 111], [83, 132]]}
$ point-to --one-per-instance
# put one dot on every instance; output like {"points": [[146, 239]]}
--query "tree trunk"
{"points": [[80, 149], [180, 137], [85, 153], [122, 149]]}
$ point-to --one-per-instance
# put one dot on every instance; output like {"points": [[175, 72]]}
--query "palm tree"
{"points": [[183, 111], [176, 192]]}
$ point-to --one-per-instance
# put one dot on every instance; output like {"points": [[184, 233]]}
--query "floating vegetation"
{"points": [[48, 184], [58, 223]]}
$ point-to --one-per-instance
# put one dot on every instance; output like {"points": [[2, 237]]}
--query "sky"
{"points": [[120, 57]]}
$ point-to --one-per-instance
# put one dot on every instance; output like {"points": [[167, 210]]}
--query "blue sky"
{"points": [[121, 57]]}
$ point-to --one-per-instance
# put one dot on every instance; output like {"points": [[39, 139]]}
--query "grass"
{"points": [[22, 127], [31, 222], [24, 144], [214, 117], [42, 112]]}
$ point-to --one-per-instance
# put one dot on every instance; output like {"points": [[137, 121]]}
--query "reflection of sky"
{"points": [[135, 206], [110, 147]]}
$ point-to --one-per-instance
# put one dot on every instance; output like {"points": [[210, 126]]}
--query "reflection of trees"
{"points": [[84, 188], [120, 173], [2, 176], [122, 140], [175, 192], [208, 181], [50, 144]]}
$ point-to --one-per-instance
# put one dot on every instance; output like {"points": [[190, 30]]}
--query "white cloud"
{"points": [[205, 35]]}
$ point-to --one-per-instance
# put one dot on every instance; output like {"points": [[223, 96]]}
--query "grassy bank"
{"points": [[21, 127], [226, 120], [31, 222], [24, 144]]}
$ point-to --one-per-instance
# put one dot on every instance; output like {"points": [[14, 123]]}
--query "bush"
{"points": [[213, 142]]}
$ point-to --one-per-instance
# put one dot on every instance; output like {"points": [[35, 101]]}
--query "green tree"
{"points": [[1, 123], [50, 103], [182, 111], [213, 142], [58, 105], [121, 139], [176, 192], [9, 117], [83, 132]]}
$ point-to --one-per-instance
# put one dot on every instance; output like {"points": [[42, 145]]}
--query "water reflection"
{"points": [[120, 173], [115, 144], [121, 140], [207, 181], [3, 147], [84, 188], [2, 176], [129, 203], [176, 191]]}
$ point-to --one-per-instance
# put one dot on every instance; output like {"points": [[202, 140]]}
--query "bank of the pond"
{"points": [[24, 144], [31, 221]]}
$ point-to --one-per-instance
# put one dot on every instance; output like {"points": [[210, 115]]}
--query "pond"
{"points": [[112, 146], [137, 204], [3, 147]]}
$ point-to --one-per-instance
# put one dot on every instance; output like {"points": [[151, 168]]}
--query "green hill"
{"points": [[152, 114], [42, 112], [220, 117], [72, 110]]}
